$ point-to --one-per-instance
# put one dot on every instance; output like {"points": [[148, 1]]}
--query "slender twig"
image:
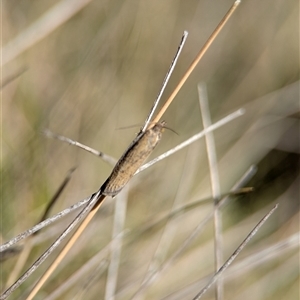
{"points": [[235, 253], [215, 185]]}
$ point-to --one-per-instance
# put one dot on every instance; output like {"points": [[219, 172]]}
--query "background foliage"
{"points": [[101, 70]]}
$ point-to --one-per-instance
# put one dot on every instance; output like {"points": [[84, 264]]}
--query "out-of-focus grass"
{"points": [[101, 70]]}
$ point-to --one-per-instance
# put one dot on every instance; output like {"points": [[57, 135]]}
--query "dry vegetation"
{"points": [[101, 70]]}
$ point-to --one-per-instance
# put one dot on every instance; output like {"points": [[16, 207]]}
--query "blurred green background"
{"points": [[100, 70]]}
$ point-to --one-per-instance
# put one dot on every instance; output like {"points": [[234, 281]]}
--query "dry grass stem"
{"points": [[165, 81], [169, 231], [116, 247], [28, 245], [47, 23], [56, 195], [184, 209], [263, 256], [107, 158], [194, 138], [236, 253], [20, 263], [90, 281], [196, 60], [43, 224], [215, 185], [245, 265], [97, 198], [150, 279], [263, 281]]}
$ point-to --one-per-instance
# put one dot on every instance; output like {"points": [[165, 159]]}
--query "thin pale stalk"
{"points": [[166, 80], [170, 229], [184, 209], [236, 253], [194, 138], [48, 22], [255, 288], [265, 255], [245, 265], [20, 263], [43, 224], [116, 247], [83, 271], [107, 158], [215, 185], [92, 280]]}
